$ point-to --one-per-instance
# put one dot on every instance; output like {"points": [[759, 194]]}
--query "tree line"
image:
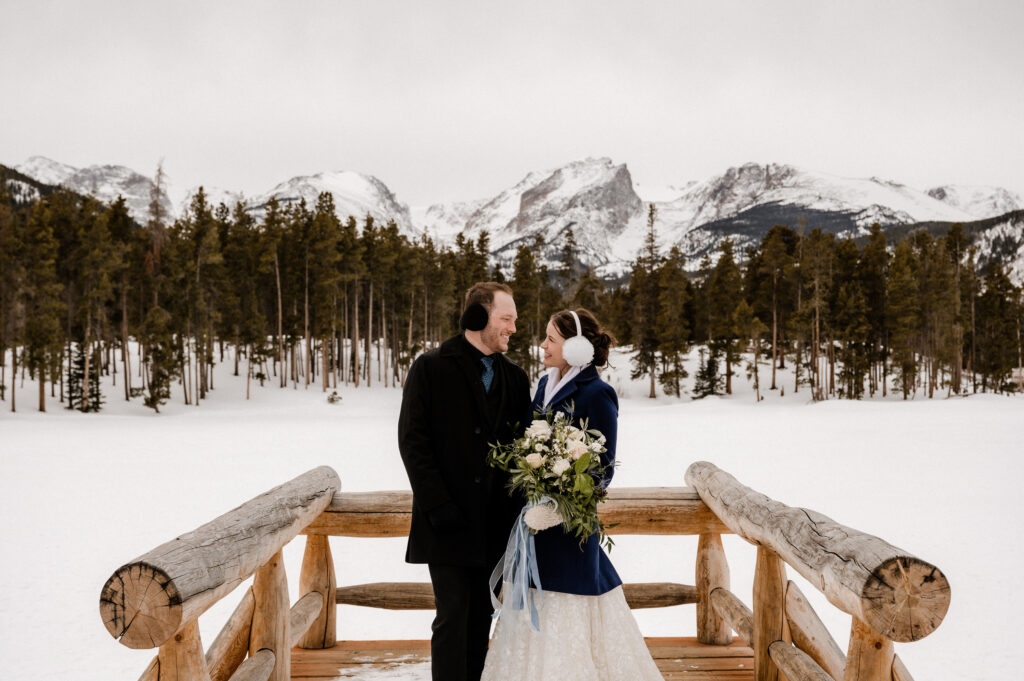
{"points": [[294, 295], [851, 318], [291, 295]]}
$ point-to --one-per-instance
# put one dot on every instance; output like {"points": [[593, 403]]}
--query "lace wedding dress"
{"points": [[581, 638]]}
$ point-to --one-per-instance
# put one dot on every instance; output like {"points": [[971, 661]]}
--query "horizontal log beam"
{"points": [[636, 510], [256, 668], [420, 595], [796, 664], [810, 634], [147, 601], [896, 594], [733, 611], [303, 614]]}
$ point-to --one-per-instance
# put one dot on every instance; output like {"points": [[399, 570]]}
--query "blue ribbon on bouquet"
{"points": [[518, 567]]}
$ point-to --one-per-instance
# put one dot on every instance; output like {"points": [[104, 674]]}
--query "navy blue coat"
{"points": [[562, 564]]}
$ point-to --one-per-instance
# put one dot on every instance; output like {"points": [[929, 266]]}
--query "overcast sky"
{"points": [[459, 100]]}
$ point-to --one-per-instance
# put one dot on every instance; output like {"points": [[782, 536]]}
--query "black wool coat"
{"points": [[461, 510]]}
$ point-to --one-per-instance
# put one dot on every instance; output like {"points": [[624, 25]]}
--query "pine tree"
{"points": [[644, 293], [43, 307], [777, 265], [82, 395], [673, 328], [724, 293], [902, 316]]}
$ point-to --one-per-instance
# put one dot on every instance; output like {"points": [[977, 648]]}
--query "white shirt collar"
{"points": [[554, 384]]}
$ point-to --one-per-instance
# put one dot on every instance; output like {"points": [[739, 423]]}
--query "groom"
{"points": [[458, 398]]}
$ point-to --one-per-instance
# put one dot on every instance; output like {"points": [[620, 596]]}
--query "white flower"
{"points": [[541, 517], [560, 466], [577, 452], [535, 460], [539, 429], [576, 435], [539, 447]]}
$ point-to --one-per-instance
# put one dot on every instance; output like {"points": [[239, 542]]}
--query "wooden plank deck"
{"points": [[678, 658]]}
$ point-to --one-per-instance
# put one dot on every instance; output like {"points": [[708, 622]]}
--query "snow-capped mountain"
{"points": [[104, 182], [46, 170], [980, 201], [593, 197], [354, 194]]}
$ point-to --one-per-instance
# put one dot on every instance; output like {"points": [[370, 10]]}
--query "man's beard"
{"points": [[491, 338]]}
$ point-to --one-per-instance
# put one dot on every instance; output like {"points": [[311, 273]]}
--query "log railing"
{"points": [[155, 600], [891, 594]]}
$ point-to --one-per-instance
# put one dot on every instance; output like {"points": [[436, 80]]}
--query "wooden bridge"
{"points": [[155, 600]]}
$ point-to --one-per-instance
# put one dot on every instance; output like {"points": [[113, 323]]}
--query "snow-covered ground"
{"points": [[82, 494]]}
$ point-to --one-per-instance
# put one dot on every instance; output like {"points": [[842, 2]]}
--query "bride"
{"points": [[587, 631]]}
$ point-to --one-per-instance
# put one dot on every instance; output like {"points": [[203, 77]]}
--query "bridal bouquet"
{"points": [[556, 466]]}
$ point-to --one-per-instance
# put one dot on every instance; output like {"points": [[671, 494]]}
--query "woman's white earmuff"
{"points": [[577, 351]]}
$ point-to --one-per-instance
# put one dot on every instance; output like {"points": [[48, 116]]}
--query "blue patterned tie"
{"points": [[488, 375]]}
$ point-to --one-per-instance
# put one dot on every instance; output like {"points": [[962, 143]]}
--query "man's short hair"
{"points": [[483, 292]]}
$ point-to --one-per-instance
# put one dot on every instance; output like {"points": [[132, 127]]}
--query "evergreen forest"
{"points": [[298, 296]]}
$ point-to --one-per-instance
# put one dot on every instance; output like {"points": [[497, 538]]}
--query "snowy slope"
{"points": [[867, 200], [979, 201], [1004, 242], [46, 170], [354, 194], [842, 458]]}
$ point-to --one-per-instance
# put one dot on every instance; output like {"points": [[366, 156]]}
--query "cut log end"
{"points": [[140, 606], [907, 598]]}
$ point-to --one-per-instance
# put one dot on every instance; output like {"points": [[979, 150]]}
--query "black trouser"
{"points": [[462, 624]]}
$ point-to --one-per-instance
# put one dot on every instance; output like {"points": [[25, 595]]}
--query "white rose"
{"points": [[575, 435], [535, 460], [539, 429], [539, 447], [577, 452], [560, 466]]}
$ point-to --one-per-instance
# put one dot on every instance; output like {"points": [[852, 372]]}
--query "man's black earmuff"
{"points": [[474, 317]]}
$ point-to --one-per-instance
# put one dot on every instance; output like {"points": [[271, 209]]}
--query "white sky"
{"points": [[458, 100]]}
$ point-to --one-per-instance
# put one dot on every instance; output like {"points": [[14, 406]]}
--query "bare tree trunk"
{"points": [[775, 334], [369, 334], [88, 356], [355, 338], [309, 348], [383, 340], [14, 376], [280, 331]]}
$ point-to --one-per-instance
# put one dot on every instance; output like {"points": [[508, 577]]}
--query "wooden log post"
{"points": [[810, 635], [712, 573], [769, 611], [147, 601], [870, 657], [181, 657], [271, 616], [899, 596], [318, 576]]}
